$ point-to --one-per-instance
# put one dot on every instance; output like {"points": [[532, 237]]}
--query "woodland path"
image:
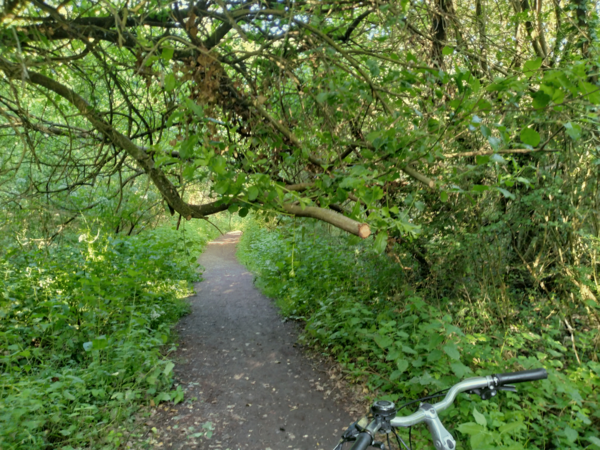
{"points": [[241, 361]]}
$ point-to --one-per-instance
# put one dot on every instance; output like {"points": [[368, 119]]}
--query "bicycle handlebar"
{"points": [[428, 413], [520, 377], [469, 384], [362, 441]]}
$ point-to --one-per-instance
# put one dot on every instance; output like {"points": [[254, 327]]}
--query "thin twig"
{"points": [[572, 340], [214, 226]]}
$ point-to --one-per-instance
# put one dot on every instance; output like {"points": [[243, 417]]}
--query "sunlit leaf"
{"points": [[530, 137]]}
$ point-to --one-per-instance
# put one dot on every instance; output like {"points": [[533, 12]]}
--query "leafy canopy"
{"points": [[343, 111]]}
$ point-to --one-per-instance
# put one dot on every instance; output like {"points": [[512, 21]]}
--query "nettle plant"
{"points": [[83, 331], [356, 307]]}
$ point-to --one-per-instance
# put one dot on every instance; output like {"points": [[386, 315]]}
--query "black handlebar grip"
{"points": [[362, 441], [520, 377]]}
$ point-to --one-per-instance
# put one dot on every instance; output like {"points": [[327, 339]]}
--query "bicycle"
{"points": [[385, 419]]}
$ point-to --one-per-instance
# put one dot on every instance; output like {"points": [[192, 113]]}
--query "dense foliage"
{"points": [[463, 133], [338, 110], [82, 326], [360, 306]]}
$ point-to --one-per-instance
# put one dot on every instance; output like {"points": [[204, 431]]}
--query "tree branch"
{"points": [[503, 152], [326, 215], [158, 177]]}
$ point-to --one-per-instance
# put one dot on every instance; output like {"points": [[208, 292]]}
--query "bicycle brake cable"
{"points": [[399, 439], [427, 397]]}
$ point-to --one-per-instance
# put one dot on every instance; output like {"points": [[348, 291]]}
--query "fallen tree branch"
{"points": [[327, 215], [418, 176]]}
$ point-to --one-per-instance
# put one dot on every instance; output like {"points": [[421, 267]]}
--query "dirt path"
{"points": [[239, 359]]}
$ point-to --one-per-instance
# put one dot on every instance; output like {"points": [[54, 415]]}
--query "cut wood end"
{"points": [[364, 230]]}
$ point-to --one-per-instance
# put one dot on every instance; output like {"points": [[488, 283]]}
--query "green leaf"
{"points": [[170, 82], [540, 99], [451, 350], [168, 368], [447, 51], [188, 172], [459, 369], [590, 91], [87, 346], [218, 165], [434, 356], [484, 105], [395, 375], [482, 159], [471, 428], [407, 349], [149, 61], [479, 418], [506, 193], [187, 147], [222, 187], [511, 427], [194, 107], [497, 158], [167, 53], [530, 137], [531, 66], [100, 343], [322, 97], [402, 365], [252, 193], [444, 196], [380, 242], [483, 441], [382, 341], [475, 84], [571, 434], [573, 130], [495, 143], [373, 66], [594, 440], [178, 395]]}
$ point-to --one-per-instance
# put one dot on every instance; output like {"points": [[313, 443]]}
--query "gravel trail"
{"points": [[240, 360]]}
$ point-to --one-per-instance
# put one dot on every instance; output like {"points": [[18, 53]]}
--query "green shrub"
{"points": [[82, 327], [357, 307]]}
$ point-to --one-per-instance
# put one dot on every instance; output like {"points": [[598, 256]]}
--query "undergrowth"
{"points": [[83, 327], [406, 344]]}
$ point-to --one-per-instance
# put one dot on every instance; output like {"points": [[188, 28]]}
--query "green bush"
{"points": [[82, 330], [357, 307]]}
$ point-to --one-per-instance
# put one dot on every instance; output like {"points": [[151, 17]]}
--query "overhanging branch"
{"points": [[326, 215], [158, 177]]}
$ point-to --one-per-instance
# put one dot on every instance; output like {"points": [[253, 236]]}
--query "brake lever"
{"points": [[487, 392], [351, 432]]}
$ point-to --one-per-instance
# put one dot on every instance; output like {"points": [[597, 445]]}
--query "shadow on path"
{"points": [[238, 358]]}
